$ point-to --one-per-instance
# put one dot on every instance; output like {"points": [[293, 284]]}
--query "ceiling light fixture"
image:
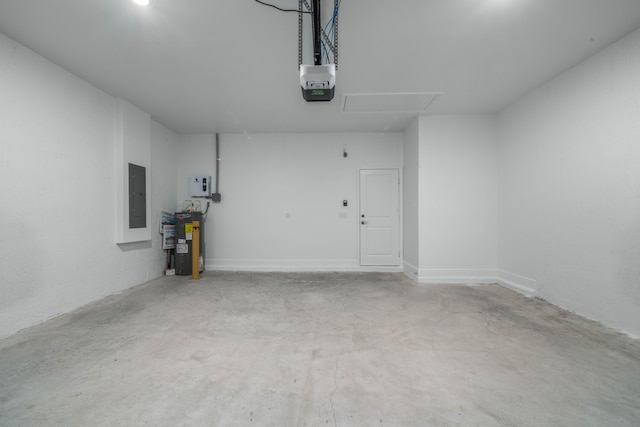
{"points": [[141, 2]]}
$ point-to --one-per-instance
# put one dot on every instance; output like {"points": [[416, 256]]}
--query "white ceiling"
{"points": [[231, 65]]}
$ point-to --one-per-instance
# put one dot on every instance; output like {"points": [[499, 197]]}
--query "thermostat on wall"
{"points": [[201, 186]]}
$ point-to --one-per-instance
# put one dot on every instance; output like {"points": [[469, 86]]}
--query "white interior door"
{"points": [[379, 217]]}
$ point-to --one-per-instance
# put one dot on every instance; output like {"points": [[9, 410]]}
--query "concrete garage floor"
{"points": [[306, 349]]}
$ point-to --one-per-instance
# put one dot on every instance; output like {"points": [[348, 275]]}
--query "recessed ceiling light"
{"points": [[141, 2]]}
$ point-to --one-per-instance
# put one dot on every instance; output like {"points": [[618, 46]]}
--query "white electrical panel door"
{"points": [[201, 186]]}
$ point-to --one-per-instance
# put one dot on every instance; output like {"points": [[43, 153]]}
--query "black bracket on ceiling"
{"points": [[320, 37]]}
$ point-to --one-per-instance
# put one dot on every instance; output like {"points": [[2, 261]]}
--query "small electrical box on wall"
{"points": [[201, 186]]}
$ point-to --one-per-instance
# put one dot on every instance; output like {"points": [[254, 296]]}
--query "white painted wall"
{"points": [[195, 155], [57, 193], [457, 198], [411, 191], [164, 183], [569, 173], [132, 146], [282, 197]]}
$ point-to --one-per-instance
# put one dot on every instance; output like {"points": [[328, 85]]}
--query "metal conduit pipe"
{"points": [[217, 197]]}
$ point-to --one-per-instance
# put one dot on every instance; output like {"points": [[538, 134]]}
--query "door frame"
{"points": [[400, 265]]}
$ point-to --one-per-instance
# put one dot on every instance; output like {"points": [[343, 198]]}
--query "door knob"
{"points": [[363, 222]]}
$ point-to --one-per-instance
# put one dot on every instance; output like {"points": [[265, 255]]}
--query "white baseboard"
{"points": [[515, 282], [294, 265], [457, 276], [520, 284], [410, 270]]}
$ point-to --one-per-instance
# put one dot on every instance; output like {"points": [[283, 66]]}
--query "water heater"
{"points": [[184, 242]]}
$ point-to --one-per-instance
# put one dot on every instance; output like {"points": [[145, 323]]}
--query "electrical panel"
{"points": [[137, 196], [201, 186]]}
